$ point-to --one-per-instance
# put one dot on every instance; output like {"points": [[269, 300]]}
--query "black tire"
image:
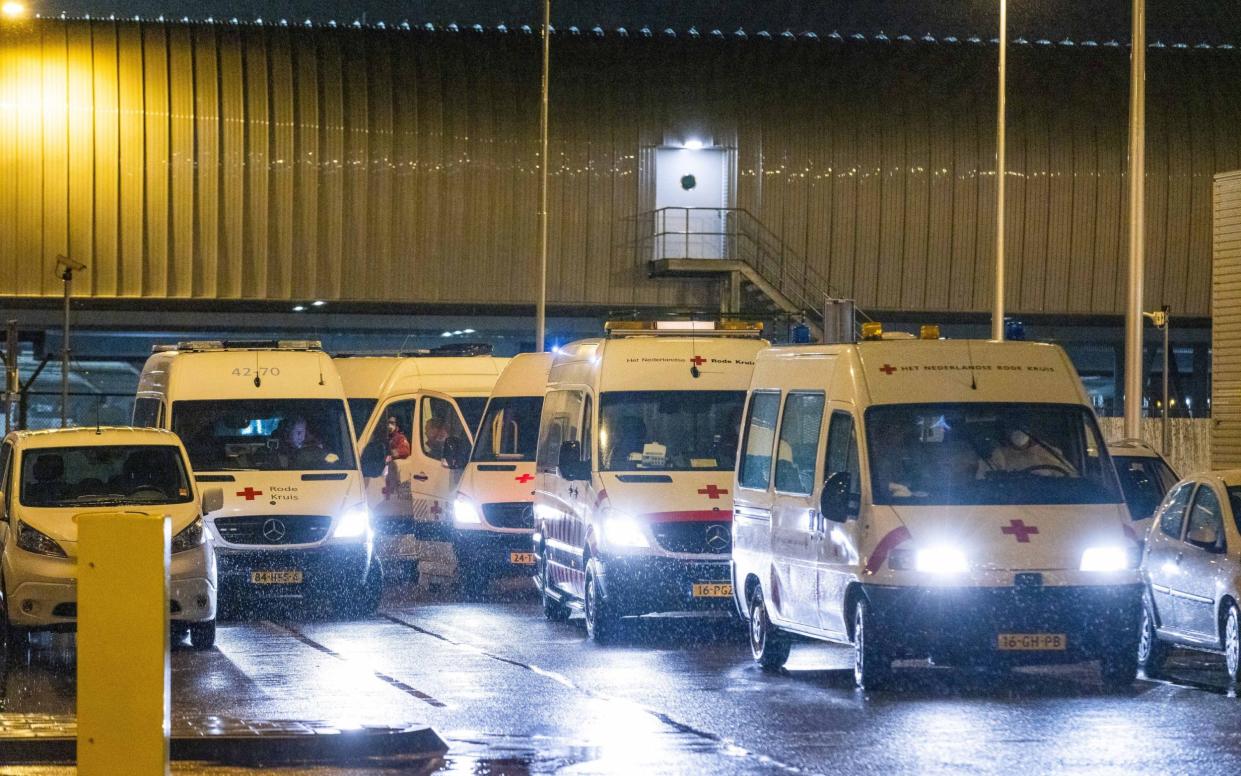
{"points": [[602, 624], [1119, 669], [872, 662], [475, 585], [1152, 652], [553, 609], [8, 646], [372, 592], [769, 647], [202, 635], [1232, 645]]}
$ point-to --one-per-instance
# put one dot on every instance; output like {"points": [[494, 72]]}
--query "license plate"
{"points": [[521, 558], [712, 589], [276, 577], [1032, 642]]}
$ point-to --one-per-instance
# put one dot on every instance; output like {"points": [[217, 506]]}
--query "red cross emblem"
{"points": [[712, 492], [249, 493], [523, 479], [887, 369], [1020, 530], [435, 509], [698, 360]]}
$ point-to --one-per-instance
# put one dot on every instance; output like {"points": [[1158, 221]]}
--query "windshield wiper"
{"points": [[226, 469]]}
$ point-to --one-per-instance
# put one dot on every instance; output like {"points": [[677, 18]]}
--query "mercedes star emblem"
{"points": [[717, 537], [274, 530]]}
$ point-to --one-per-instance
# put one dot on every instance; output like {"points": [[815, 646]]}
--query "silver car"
{"points": [[1145, 477], [1191, 568]]}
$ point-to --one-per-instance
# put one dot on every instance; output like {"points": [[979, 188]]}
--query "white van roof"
{"points": [[661, 362], [927, 371], [525, 375], [230, 373], [374, 377]]}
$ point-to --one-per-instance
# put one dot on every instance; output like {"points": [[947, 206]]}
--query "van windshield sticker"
{"points": [[889, 369], [696, 361]]}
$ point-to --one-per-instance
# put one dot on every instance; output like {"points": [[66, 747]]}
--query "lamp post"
{"points": [[997, 312], [1161, 320], [1137, 221], [65, 267], [540, 315]]}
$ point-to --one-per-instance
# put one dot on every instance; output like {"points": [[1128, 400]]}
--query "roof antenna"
{"points": [[98, 411], [694, 371], [969, 352], [258, 381]]}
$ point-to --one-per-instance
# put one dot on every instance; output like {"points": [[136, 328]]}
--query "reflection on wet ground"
{"points": [[514, 694]]}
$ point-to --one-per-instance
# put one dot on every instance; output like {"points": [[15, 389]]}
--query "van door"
{"points": [[837, 546], [387, 495], [793, 511], [560, 513], [431, 483]]}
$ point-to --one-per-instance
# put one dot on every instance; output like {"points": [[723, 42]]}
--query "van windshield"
{"points": [[510, 429], [104, 474], [471, 409], [265, 434], [360, 410], [943, 454], [669, 430]]}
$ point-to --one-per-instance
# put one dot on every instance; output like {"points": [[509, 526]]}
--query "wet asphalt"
{"points": [[514, 694]]}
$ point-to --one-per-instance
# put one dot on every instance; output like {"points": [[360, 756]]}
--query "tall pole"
{"points": [[997, 312], [1166, 360], [67, 277], [540, 316], [1137, 223]]}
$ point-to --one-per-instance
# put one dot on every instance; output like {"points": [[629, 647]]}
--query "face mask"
{"points": [[1018, 438]]}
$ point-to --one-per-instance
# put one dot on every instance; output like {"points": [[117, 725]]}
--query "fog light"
{"points": [[30, 607], [202, 601]]}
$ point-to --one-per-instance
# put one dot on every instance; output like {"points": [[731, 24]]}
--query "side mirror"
{"points": [[572, 467], [456, 453], [834, 500], [1204, 536], [373, 459], [213, 500]]}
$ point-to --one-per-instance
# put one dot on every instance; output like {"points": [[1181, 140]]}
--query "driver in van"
{"points": [[297, 442], [434, 435], [1019, 451]]}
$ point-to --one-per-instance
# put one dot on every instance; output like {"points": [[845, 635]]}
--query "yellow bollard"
{"points": [[123, 674]]}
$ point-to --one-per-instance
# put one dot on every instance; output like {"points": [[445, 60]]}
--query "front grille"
{"points": [[694, 537], [265, 530], [510, 514]]}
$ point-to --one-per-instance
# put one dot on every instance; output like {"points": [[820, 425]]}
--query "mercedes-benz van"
{"points": [[633, 497], [415, 414], [267, 422], [493, 512], [931, 498]]}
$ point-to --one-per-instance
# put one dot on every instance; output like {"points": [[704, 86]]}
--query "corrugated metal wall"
{"points": [[1226, 325], [205, 161]]}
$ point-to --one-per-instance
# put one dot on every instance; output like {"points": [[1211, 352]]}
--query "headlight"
{"points": [[941, 559], [624, 531], [34, 540], [1107, 558], [466, 512], [354, 523], [189, 537]]}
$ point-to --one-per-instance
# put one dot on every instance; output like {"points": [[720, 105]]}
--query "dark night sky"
{"points": [[1189, 21]]}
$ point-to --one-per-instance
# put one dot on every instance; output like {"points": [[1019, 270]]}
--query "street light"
{"points": [[65, 267], [1160, 319]]}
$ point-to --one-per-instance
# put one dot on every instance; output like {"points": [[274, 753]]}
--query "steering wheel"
{"points": [[149, 489], [1047, 467]]}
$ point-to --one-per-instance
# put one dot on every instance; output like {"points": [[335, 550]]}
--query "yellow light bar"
{"points": [[872, 330], [628, 325], [735, 325], [929, 331]]}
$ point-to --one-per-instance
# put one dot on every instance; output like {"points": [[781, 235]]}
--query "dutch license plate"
{"points": [[712, 589], [1032, 642], [521, 558], [276, 577]]}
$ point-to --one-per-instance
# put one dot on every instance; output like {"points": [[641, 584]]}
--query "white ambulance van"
{"points": [[493, 512], [414, 431], [267, 421], [930, 498], [637, 441]]}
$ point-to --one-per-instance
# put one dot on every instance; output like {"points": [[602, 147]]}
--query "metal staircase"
{"points": [[762, 275]]}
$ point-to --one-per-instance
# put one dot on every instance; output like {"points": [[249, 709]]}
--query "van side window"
{"points": [[561, 422], [842, 453], [147, 412], [1173, 515], [587, 429], [760, 435], [403, 412], [798, 449], [6, 458], [439, 422]]}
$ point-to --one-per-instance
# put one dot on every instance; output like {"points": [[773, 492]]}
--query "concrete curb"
{"points": [[52, 738]]}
